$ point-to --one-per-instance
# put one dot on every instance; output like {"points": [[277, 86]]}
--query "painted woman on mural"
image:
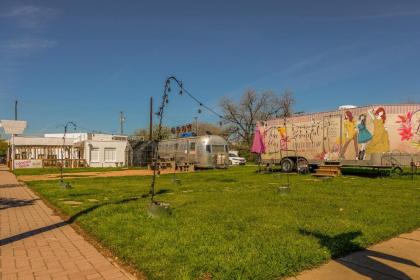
{"points": [[380, 138], [350, 133], [363, 136]]}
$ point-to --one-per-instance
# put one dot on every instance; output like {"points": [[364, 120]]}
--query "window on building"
{"points": [[110, 155], [94, 155], [208, 148], [192, 146]]}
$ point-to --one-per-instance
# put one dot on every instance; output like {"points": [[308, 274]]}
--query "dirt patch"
{"points": [[88, 174]]}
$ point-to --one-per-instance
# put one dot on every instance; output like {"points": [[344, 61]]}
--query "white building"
{"points": [[76, 150]]}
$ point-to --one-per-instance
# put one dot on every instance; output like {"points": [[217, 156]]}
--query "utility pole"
{"points": [[196, 126], [122, 121], [151, 120], [16, 104]]}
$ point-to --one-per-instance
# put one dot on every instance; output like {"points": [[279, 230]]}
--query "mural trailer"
{"points": [[376, 135]]}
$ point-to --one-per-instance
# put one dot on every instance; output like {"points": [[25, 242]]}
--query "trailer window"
{"points": [[218, 148], [208, 149]]}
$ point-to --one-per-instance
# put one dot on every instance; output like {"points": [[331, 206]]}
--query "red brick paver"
{"points": [[37, 244]]}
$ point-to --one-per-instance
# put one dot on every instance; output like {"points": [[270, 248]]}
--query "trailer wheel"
{"points": [[302, 166], [287, 165]]}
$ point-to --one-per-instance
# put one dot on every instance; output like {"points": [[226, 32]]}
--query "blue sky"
{"points": [[86, 61]]}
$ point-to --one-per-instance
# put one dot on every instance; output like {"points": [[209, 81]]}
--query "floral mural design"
{"points": [[406, 128]]}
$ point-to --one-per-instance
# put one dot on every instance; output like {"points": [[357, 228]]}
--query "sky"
{"points": [[85, 61]]}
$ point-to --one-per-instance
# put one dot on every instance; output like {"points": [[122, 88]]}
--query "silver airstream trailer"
{"points": [[210, 151]]}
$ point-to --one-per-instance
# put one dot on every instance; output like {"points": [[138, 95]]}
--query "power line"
{"points": [[202, 104], [183, 89]]}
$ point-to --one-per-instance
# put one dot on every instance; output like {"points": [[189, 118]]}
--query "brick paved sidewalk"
{"points": [[37, 244]]}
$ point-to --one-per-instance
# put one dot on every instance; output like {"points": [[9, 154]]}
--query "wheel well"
{"points": [[294, 158]]}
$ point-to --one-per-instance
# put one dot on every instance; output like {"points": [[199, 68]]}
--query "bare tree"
{"points": [[203, 128], [287, 101], [252, 107], [144, 132]]}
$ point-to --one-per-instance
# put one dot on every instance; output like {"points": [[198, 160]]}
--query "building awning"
{"points": [[41, 141]]}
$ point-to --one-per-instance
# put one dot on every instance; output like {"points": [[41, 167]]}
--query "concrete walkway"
{"points": [[398, 258], [37, 244]]}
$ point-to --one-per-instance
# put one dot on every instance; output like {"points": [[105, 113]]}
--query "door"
{"points": [[332, 136]]}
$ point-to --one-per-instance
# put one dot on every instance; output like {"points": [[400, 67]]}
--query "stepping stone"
{"points": [[71, 202]]}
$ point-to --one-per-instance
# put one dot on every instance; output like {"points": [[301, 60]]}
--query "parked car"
{"points": [[235, 159]]}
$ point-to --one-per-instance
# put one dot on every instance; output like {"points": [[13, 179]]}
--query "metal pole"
{"points": [[16, 104], [196, 126], [122, 119], [341, 136], [62, 154], [151, 119], [13, 138], [166, 90], [13, 152]]}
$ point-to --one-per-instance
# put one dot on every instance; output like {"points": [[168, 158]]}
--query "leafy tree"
{"points": [[3, 147]]}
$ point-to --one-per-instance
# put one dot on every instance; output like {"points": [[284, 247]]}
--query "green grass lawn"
{"points": [[235, 224], [56, 170]]}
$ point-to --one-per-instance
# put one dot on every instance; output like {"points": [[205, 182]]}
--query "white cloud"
{"points": [[31, 17], [28, 44], [14, 53], [27, 22]]}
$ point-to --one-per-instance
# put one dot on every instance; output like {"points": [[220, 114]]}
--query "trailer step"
{"points": [[332, 170], [325, 174]]}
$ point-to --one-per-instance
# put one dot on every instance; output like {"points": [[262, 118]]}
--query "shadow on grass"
{"points": [[162, 191], [362, 262], [70, 220]]}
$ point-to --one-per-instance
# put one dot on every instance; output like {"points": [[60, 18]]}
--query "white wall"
{"points": [[119, 146]]}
